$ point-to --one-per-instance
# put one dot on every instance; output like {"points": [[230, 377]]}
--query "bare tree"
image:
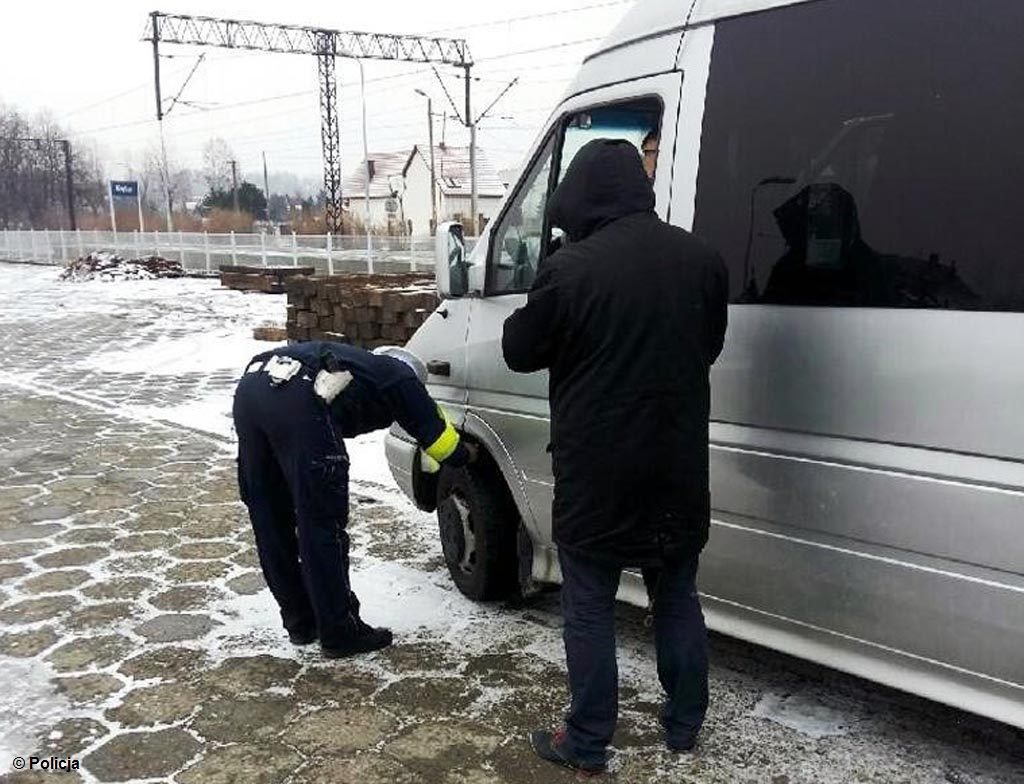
{"points": [[33, 176], [217, 157]]}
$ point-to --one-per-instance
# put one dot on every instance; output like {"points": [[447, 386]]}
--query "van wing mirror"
{"points": [[451, 267]]}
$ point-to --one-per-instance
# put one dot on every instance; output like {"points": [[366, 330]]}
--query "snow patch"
{"points": [[28, 706], [803, 713]]}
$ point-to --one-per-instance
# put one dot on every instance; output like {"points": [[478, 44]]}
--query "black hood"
{"points": [[605, 181]]}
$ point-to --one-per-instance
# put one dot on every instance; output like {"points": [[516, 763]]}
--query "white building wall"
{"points": [[416, 200], [462, 205]]}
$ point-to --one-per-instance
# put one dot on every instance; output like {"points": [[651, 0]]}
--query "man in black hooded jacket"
{"points": [[628, 317]]}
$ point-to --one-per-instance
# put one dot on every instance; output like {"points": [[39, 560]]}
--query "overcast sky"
{"points": [[84, 63]]}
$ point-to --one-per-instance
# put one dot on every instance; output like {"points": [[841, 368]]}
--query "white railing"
{"points": [[201, 252]]}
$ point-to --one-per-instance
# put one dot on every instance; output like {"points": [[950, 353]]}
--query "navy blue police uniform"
{"points": [[293, 474]]}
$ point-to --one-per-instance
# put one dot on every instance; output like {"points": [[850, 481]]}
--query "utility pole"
{"points": [[472, 155], [266, 184], [154, 18], [69, 182], [433, 175], [234, 182], [326, 45]]}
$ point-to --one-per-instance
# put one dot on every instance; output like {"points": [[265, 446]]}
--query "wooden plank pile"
{"points": [[365, 310], [269, 280]]}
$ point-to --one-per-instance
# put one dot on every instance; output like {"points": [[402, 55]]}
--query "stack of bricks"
{"points": [[364, 310], [269, 280]]}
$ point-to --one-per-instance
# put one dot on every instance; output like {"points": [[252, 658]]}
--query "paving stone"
{"points": [[247, 584], [16, 550], [416, 657], [12, 496], [35, 610], [37, 777], [26, 644], [97, 615], [23, 533], [153, 541], [70, 737], [434, 748], [361, 769], [87, 535], [197, 571], [171, 662], [203, 550], [55, 582], [11, 571], [186, 597], [331, 683], [340, 731], [103, 518], [42, 513], [102, 651], [144, 524], [72, 556], [140, 755], [235, 720], [267, 763], [88, 688], [109, 501], [252, 674], [207, 522], [423, 695], [138, 564], [118, 588], [247, 557], [173, 627], [165, 703]]}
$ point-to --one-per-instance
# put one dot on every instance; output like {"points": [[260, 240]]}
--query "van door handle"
{"points": [[437, 367]]}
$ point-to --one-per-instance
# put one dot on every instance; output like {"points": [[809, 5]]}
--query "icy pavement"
{"points": [[136, 635]]}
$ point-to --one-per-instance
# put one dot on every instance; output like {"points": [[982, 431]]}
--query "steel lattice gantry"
{"points": [[326, 45]]}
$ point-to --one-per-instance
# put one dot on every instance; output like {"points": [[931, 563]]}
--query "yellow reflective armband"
{"points": [[446, 443]]}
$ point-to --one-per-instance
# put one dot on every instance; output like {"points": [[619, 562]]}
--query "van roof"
{"points": [[652, 18]]}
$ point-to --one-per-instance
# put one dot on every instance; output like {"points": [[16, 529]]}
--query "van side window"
{"points": [[516, 245], [865, 153], [523, 237]]}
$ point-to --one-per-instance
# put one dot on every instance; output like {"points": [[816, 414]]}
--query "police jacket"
{"points": [[383, 390], [628, 317]]}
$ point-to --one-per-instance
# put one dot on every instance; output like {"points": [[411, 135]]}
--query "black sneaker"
{"points": [[369, 639], [550, 746], [302, 637]]}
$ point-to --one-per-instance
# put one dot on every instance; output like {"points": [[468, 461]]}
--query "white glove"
{"points": [[329, 385], [428, 464]]}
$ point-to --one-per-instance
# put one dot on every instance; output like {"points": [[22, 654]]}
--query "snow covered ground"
{"points": [[152, 365]]}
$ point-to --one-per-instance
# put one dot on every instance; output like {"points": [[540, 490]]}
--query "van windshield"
{"points": [[638, 122]]}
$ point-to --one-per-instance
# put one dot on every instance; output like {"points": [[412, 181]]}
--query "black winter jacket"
{"points": [[628, 317], [383, 390]]}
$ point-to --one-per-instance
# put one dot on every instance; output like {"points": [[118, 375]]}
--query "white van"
{"points": [[859, 164]]}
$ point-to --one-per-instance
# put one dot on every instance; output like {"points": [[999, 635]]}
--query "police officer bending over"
{"points": [[292, 408]]}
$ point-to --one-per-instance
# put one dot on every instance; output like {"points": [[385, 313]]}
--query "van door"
{"points": [[860, 169], [515, 406]]}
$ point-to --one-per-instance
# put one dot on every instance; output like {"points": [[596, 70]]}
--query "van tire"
{"points": [[478, 523]]}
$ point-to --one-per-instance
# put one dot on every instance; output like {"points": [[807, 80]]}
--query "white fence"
{"points": [[203, 253]]}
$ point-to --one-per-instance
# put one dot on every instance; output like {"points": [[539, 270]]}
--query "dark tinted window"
{"points": [[868, 153]]}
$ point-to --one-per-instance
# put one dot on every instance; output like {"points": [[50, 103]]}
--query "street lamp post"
{"points": [[433, 177]]}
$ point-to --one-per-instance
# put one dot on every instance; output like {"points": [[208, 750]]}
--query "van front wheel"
{"points": [[478, 523]]}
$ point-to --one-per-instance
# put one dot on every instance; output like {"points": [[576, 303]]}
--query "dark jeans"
{"points": [[588, 605], [293, 477]]}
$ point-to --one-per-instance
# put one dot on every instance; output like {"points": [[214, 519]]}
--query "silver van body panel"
{"points": [[658, 18], [867, 465]]}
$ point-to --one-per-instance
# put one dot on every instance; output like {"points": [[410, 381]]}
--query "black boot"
{"points": [[550, 746], [302, 636], [365, 640]]}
